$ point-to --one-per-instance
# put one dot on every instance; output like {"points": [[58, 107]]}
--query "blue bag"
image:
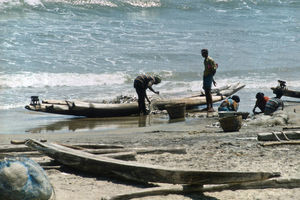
{"points": [[23, 179]]}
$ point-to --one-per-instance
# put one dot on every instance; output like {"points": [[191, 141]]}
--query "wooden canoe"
{"points": [[130, 170], [288, 93], [201, 99], [79, 108]]}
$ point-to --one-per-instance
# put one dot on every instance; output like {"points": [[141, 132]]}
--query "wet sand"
{"points": [[208, 148]]}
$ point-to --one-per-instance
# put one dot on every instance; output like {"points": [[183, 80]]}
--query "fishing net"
{"points": [[23, 179]]}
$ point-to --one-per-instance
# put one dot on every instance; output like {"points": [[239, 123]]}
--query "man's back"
{"points": [[272, 105]]}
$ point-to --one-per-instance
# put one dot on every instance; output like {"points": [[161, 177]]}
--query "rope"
{"points": [[276, 136], [285, 136]]}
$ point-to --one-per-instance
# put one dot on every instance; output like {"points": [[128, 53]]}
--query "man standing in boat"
{"points": [[210, 68], [141, 84]]}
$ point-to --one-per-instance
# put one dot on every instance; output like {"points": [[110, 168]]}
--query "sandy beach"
{"points": [[208, 148]]}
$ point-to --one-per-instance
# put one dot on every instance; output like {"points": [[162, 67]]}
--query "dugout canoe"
{"points": [[287, 92], [79, 108], [87, 109], [193, 101], [131, 170]]}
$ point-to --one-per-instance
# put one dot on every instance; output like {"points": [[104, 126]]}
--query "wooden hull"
{"points": [[199, 100], [100, 165], [289, 93], [78, 108]]}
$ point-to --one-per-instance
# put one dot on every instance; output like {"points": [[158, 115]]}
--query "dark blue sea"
{"points": [[91, 50]]}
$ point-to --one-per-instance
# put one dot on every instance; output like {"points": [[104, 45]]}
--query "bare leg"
{"points": [[209, 102]]}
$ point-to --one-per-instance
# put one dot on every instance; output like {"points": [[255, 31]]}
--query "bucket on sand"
{"points": [[176, 110], [231, 123]]}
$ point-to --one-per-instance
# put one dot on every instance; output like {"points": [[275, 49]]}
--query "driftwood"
{"points": [[280, 143], [23, 141], [275, 183], [128, 155], [11, 151], [13, 148], [274, 136], [78, 145], [98, 146], [18, 154], [142, 172], [51, 167], [107, 150], [160, 150], [290, 127]]}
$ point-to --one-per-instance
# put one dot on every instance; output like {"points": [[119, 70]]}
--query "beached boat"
{"points": [[287, 92], [130, 170], [79, 108], [217, 95]]}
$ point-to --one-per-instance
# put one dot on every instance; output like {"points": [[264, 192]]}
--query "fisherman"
{"points": [[210, 68], [230, 104], [261, 101], [141, 84], [274, 103]]}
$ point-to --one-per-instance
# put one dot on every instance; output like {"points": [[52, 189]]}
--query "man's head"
{"points": [[236, 98], [260, 96], [204, 53], [157, 79]]}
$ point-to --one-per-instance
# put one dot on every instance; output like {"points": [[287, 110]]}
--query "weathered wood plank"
{"points": [[82, 145], [290, 127], [142, 172], [280, 143], [98, 146], [157, 150], [13, 148], [121, 155], [292, 135], [276, 183], [18, 154], [17, 142]]}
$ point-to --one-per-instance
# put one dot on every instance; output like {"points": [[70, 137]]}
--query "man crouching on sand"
{"points": [[210, 68], [141, 84], [274, 103]]}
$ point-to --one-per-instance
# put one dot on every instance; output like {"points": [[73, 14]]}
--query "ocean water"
{"points": [[93, 49]]}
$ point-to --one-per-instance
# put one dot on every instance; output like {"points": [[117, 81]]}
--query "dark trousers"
{"points": [[141, 92]]}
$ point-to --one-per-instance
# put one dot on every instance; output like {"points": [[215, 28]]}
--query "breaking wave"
{"points": [[42, 80], [186, 5]]}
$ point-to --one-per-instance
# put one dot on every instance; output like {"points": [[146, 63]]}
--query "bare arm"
{"points": [[255, 108], [147, 98], [150, 87]]}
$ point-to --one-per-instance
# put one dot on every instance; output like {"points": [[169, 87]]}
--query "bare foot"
{"points": [[210, 110]]}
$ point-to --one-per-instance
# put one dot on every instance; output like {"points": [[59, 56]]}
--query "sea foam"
{"points": [[41, 80]]}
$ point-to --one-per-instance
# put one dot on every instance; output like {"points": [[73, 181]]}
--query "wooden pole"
{"points": [[280, 143], [274, 183], [159, 150]]}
